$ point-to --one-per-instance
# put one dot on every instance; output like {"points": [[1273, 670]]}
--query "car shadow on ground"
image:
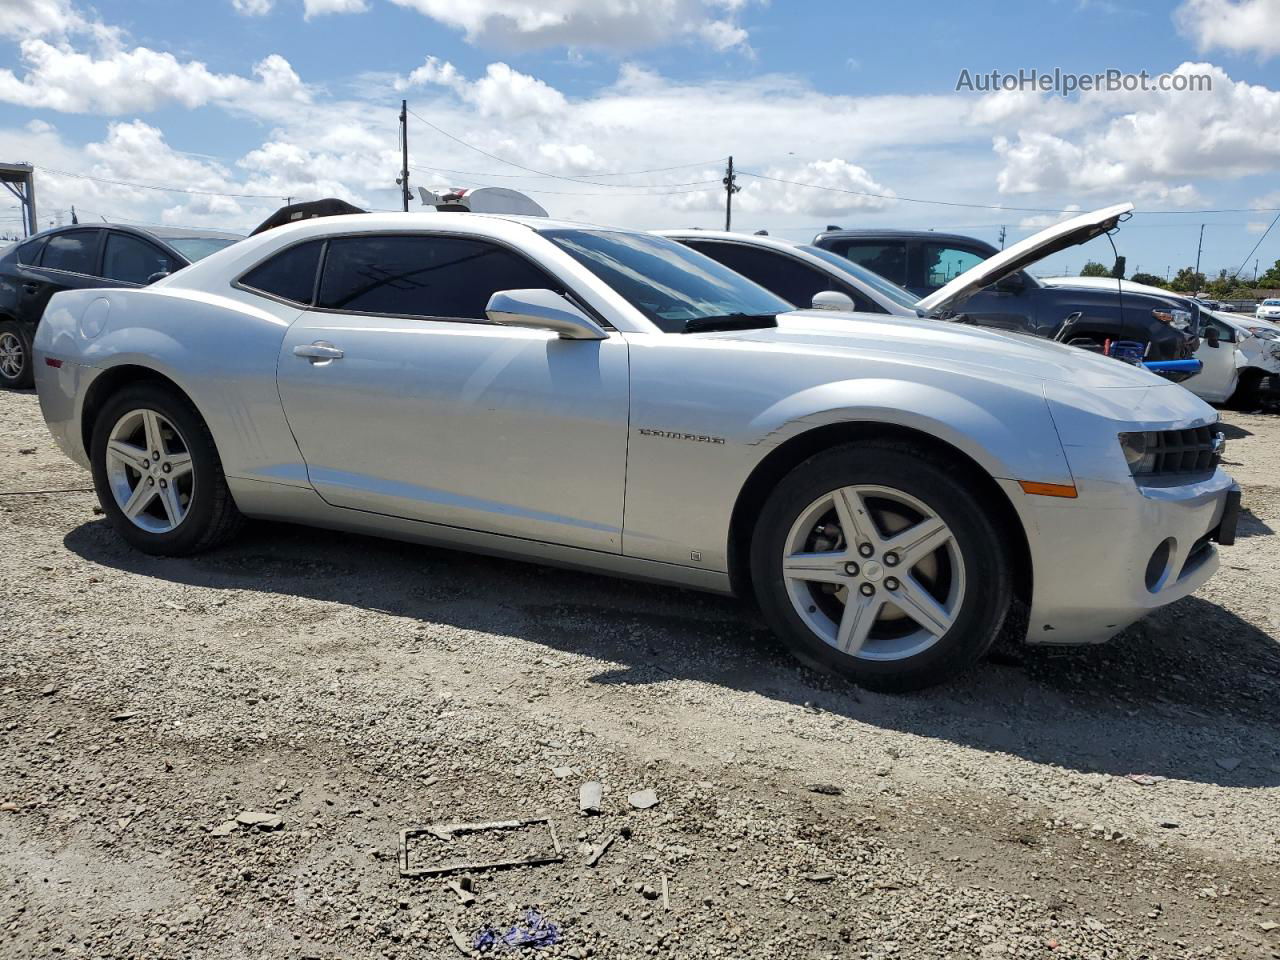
{"points": [[1174, 696]]}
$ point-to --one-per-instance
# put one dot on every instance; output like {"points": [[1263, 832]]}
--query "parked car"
{"points": [[77, 257], [924, 262], [885, 487], [1268, 310], [1240, 357]]}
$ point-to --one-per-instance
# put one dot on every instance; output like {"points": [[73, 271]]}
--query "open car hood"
{"points": [[1068, 233]]}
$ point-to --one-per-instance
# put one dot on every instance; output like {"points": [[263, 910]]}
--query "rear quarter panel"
{"points": [[219, 349]]}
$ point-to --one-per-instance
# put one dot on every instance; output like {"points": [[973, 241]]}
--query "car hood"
{"points": [[942, 344], [1022, 254]]}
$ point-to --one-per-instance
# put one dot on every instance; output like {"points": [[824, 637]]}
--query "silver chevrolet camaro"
{"points": [[887, 488]]}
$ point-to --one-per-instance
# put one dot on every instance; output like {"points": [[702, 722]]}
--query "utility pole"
{"points": [[1002, 236], [730, 188], [1199, 247], [1255, 273], [74, 218], [404, 153]]}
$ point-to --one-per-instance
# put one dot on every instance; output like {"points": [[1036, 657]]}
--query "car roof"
{"points": [[159, 231], [888, 233]]}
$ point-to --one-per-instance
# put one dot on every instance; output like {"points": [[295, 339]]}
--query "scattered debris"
{"points": [[643, 799], [666, 894], [262, 821], [600, 849], [818, 877], [827, 789], [127, 715], [458, 939], [1145, 779], [26, 451], [536, 932], [49, 691], [463, 887], [1168, 824], [446, 832], [590, 796], [1228, 763]]}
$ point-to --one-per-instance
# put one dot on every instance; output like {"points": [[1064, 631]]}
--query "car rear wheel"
{"points": [[15, 356], [158, 475], [878, 563]]}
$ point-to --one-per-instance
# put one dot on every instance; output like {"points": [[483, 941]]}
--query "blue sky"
{"points": [[273, 98]]}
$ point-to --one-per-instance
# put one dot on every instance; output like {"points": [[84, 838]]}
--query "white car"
{"points": [[1268, 310], [1238, 356]]}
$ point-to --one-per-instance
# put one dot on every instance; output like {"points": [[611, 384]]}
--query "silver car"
{"points": [[886, 488]]}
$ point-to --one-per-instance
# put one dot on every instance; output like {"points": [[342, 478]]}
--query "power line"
{"points": [[1255, 247], [166, 189], [586, 177], [637, 186]]}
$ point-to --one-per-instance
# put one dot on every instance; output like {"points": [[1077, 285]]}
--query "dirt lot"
{"points": [[1121, 801]]}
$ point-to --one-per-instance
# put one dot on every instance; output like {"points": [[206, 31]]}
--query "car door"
{"points": [[789, 278], [1219, 372], [405, 401], [68, 261]]}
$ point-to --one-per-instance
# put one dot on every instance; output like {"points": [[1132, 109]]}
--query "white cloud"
{"points": [[1241, 26], [615, 24], [501, 92], [253, 8], [37, 18], [759, 196], [316, 8], [1147, 145], [1041, 220]]}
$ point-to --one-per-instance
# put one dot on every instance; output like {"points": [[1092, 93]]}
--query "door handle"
{"points": [[319, 352], [30, 287]]}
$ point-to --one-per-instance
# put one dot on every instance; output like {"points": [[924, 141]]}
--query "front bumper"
{"points": [[1113, 555]]}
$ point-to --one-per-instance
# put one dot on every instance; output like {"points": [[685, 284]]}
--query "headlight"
{"points": [[1264, 333], [1178, 319], [1139, 451]]}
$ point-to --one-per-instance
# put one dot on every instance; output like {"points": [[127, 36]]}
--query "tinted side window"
{"points": [[133, 260], [942, 263], [445, 277], [887, 258], [74, 251], [776, 272], [29, 252], [290, 274]]}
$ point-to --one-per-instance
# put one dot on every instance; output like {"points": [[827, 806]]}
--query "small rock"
{"points": [[590, 796], [49, 691], [224, 829], [1269, 925], [1146, 779], [827, 789], [26, 450], [562, 772], [121, 717], [643, 799], [1228, 763], [1168, 824], [648, 892], [263, 821], [8, 807], [882, 771]]}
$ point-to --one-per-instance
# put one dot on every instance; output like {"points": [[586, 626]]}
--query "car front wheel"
{"points": [[158, 475], [15, 356], [878, 562]]}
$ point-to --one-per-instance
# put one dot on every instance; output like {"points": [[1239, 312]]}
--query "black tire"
{"points": [[980, 607], [211, 518], [1248, 392], [10, 331]]}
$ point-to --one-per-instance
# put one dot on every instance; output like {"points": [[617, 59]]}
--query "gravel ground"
{"points": [[1118, 801]]}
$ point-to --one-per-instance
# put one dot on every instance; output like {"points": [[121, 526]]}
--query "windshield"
{"points": [[666, 281], [197, 248], [886, 288], [1271, 303]]}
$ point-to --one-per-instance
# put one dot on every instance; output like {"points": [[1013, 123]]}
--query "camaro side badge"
{"points": [[672, 435]]}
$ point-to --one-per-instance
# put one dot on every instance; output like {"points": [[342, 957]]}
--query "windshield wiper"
{"points": [[731, 321]]}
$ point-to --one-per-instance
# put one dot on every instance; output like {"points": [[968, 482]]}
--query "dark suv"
{"points": [[66, 258], [924, 261]]}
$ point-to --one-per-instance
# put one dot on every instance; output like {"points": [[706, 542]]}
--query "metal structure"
{"points": [[19, 179]]}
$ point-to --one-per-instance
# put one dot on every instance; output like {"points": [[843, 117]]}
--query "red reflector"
{"points": [[53, 361]]}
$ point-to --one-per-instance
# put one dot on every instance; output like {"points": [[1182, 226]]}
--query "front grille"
{"points": [[1195, 450]]}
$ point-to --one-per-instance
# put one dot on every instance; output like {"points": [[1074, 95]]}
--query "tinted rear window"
{"points": [[289, 275], [451, 278], [29, 252], [73, 252]]}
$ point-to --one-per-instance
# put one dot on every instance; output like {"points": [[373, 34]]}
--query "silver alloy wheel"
{"points": [[12, 355], [874, 572], [149, 471]]}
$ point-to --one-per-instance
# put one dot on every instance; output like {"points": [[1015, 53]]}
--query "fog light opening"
{"points": [[1159, 566]]}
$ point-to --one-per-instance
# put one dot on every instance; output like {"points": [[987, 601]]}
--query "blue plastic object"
{"points": [[1175, 366]]}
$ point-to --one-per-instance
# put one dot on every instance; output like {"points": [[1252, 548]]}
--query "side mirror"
{"points": [[1212, 337], [832, 300], [542, 310], [158, 275], [1012, 283]]}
